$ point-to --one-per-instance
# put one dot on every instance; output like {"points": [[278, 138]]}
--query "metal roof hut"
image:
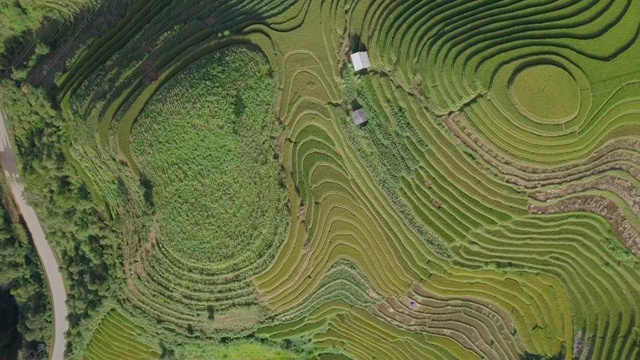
{"points": [[359, 117], [360, 60]]}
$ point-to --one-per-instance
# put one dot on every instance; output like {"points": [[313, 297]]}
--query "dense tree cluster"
{"points": [[25, 312], [20, 17], [74, 225]]}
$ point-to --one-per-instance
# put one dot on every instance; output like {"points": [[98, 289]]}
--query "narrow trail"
{"points": [[47, 257]]}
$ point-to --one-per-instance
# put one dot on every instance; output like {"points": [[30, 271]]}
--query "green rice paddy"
{"points": [[546, 93], [237, 351], [489, 209], [116, 338]]}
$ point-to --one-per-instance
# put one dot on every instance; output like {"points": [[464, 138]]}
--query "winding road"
{"points": [[47, 257]]}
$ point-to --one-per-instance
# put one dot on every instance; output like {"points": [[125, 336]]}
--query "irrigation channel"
{"points": [[47, 257]]}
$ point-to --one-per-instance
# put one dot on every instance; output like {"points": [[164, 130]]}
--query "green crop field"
{"points": [[115, 339], [489, 209], [237, 351], [210, 134], [546, 92]]}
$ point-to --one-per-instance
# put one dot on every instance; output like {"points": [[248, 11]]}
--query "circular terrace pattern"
{"points": [[545, 93], [401, 211]]}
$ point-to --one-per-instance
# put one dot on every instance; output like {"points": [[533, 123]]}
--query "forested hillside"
{"points": [[23, 19], [29, 31], [25, 313]]}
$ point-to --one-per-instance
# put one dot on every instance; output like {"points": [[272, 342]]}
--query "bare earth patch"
{"points": [[622, 227]]}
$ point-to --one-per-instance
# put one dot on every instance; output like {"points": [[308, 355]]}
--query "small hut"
{"points": [[360, 60], [359, 117]]}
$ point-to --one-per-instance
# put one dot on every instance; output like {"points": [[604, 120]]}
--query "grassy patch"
{"points": [[206, 144], [546, 92], [235, 351]]}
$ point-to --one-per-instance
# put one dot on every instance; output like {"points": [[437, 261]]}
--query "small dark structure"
{"points": [[359, 117]]}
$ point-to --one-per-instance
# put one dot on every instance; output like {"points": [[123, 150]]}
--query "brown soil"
{"points": [[612, 156], [302, 213], [151, 244], [140, 269], [621, 226], [623, 188], [622, 155]]}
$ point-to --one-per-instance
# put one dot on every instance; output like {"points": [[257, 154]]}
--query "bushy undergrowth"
{"points": [[206, 143], [21, 16], [74, 225]]}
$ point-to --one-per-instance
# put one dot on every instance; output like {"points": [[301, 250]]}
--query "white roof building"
{"points": [[359, 117], [360, 60]]}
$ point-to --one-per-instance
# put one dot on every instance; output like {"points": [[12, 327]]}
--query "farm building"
{"points": [[360, 60], [359, 117]]}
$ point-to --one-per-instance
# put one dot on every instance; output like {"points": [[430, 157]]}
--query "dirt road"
{"points": [[49, 262]]}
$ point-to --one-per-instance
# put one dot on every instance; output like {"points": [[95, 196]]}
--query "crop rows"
{"points": [[457, 182], [455, 49], [450, 199], [190, 277], [305, 157], [478, 326], [160, 284], [115, 339], [509, 157]]}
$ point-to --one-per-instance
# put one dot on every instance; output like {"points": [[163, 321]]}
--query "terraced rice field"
{"points": [[237, 351], [115, 339], [490, 209], [545, 93]]}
